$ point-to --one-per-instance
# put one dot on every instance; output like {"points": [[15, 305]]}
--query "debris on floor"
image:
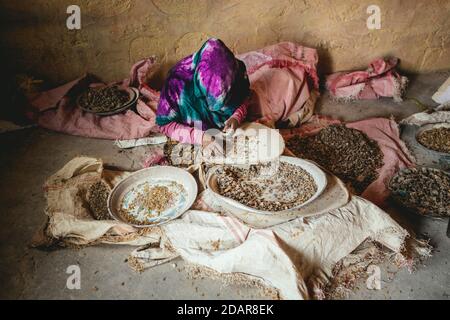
{"points": [[183, 233], [132, 143], [355, 268], [8, 126], [195, 271], [352, 269]]}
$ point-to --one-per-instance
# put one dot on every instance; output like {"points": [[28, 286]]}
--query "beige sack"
{"points": [[70, 221]]}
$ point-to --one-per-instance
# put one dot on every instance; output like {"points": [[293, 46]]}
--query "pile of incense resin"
{"points": [[103, 99], [424, 190], [149, 202], [348, 153], [264, 188], [237, 149], [437, 139], [182, 154], [97, 197]]}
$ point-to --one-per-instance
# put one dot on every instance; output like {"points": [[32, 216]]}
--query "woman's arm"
{"points": [[182, 133], [237, 117], [241, 112]]}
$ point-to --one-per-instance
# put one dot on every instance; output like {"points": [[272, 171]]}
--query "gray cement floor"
{"points": [[29, 156]]}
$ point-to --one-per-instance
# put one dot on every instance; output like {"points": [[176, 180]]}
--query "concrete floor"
{"points": [[29, 156]]}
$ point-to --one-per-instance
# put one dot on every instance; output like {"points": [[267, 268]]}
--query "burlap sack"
{"points": [[70, 221]]}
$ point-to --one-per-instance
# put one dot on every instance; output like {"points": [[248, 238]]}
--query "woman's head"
{"points": [[205, 88], [219, 77]]}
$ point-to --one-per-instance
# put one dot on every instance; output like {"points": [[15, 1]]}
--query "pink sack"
{"points": [[55, 110], [379, 80], [284, 83]]}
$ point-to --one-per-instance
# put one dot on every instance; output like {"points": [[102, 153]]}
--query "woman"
{"points": [[206, 90]]}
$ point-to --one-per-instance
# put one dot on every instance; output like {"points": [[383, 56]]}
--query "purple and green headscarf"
{"points": [[204, 89]]}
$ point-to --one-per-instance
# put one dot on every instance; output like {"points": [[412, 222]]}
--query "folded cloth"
{"points": [[56, 110], [379, 80]]}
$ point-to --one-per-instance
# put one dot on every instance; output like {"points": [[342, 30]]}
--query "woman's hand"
{"points": [[211, 146], [230, 125]]}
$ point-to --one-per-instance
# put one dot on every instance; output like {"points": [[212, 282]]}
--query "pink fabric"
{"points": [[140, 72], [314, 125], [186, 134], [50, 99], [395, 155], [281, 77], [382, 130], [241, 113], [183, 133], [157, 157], [54, 110], [379, 80]]}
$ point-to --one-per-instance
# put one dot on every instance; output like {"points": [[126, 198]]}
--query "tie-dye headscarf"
{"points": [[204, 89]]}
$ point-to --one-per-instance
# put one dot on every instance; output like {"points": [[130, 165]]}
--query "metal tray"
{"points": [[318, 175], [429, 127], [154, 175], [133, 97]]}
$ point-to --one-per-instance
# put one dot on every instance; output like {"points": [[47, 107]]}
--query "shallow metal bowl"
{"points": [[153, 174], [427, 127], [133, 96], [395, 195], [317, 174]]}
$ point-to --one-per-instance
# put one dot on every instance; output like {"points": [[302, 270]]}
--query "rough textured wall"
{"points": [[115, 33]]}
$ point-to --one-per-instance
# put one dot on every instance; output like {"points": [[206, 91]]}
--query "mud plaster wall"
{"points": [[116, 33]]}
